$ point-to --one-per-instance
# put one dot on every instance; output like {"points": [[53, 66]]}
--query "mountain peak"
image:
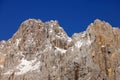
{"points": [[43, 51]]}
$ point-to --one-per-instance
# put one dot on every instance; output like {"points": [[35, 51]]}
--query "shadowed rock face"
{"points": [[43, 51]]}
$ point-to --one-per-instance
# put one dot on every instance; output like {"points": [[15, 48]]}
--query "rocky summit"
{"points": [[43, 51]]}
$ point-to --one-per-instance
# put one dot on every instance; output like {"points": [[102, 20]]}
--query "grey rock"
{"points": [[43, 51]]}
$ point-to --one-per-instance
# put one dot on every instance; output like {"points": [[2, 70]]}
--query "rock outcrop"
{"points": [[43, 51]]}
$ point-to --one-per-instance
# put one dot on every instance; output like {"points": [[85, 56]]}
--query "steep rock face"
{"points": [[106, 48], [43, 51]]}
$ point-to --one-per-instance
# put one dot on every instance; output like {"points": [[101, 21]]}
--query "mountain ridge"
{"points": [[46, 50]]}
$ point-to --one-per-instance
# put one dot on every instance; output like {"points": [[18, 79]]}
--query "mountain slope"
{"points": [[43, 51]]}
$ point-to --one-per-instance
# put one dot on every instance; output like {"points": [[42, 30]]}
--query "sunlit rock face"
{"points": [[43, 51]]}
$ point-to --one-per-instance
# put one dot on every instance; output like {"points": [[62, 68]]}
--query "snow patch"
{"points": [[83, 42], [54, 67], [83, 34], [26, 66], [103, 46], [76, 58], [72, 49], [51, 31], [61, 50], [78, 44], [1, 66], [69, 39], [51, 25], [17, 41], [61, 36], [89, 42], [47, 48]]}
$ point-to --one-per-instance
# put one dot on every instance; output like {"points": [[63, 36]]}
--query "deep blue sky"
{"points": [[73, 15]]}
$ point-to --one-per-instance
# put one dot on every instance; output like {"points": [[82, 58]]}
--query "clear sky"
{"points": [[73, 15]]}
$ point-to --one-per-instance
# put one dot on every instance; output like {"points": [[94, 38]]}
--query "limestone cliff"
{"points": [[43, 51]]}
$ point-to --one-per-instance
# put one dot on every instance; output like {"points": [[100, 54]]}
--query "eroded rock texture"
{"points": [[43, 51]]}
